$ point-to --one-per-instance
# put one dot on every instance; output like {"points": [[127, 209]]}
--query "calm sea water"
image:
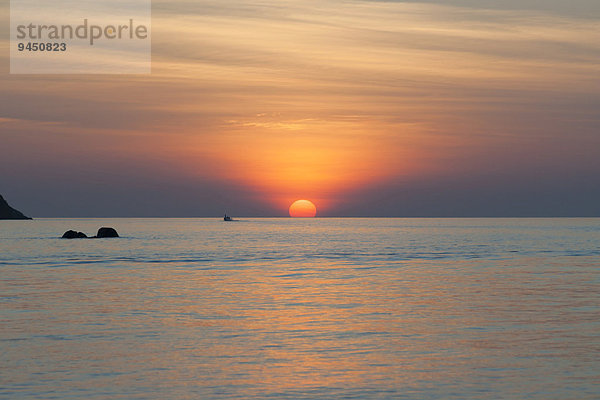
{"points": [[301, 309]]}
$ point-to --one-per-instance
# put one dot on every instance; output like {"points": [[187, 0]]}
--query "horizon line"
{"points": [[325, 217]]}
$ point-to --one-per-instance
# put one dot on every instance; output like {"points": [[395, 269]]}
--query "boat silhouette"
{"points": [[227, 218]]}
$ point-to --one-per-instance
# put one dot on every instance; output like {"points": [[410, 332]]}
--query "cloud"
{"points": [[263, 98]]}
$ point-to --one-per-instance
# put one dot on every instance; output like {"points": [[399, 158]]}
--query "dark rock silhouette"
{"points": [[107, 233], [7, 212], [74, 235], [102, 233]]}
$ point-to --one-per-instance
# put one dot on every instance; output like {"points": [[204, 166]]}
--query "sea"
{"points": [[281, 308]]}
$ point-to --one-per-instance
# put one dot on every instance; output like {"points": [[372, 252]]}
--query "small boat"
{"points": [[227, 218]]}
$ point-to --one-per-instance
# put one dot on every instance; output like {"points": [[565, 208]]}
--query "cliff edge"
{"points": [[7, 212]]}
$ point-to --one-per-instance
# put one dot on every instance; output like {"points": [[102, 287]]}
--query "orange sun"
{"points": [[303, 208]]}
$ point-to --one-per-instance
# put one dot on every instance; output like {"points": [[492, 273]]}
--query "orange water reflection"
{"points": [[329, 324]]}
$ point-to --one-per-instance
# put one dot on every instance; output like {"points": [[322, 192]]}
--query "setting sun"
{"points": [[303, 208]]}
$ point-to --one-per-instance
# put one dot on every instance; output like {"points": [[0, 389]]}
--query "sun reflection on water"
{"points": [[291, 312]]}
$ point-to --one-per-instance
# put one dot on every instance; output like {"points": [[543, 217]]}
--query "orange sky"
{"points": [[320, 100]]}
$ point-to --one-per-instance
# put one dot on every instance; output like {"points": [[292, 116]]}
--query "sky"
{"points": [[367, 108]]}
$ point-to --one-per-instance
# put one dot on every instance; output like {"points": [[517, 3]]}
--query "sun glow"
{"points": [[303, 208]]}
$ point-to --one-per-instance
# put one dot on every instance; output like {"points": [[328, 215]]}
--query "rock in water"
{"points": [[107, 233], [102, 233], [7, 212], [74, 235]]}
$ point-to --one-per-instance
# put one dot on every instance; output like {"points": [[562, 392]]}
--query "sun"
{"points": [[303, 208]]}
